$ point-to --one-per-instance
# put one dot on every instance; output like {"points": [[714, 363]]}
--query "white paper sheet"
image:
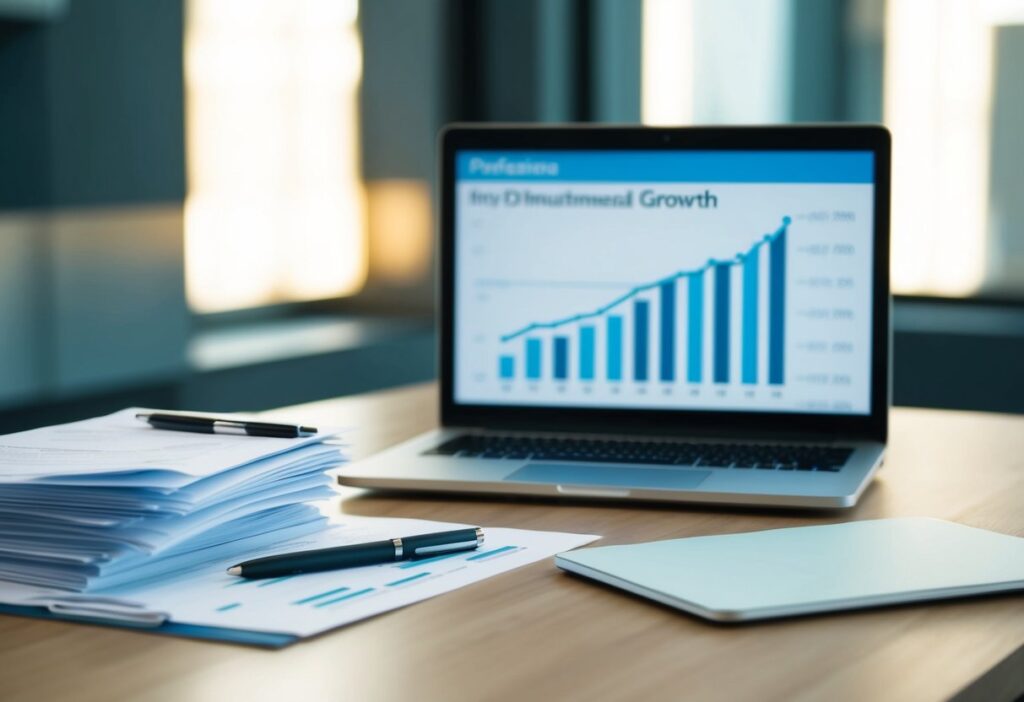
{"points": [[309, 604], [120, 443]]}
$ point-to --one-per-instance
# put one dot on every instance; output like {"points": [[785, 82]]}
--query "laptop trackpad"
{"points": [[618, 476]]}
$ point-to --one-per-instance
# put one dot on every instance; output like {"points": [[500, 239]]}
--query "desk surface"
{"points": [[538, 634]]}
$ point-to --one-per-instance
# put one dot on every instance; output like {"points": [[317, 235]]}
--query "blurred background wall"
{"points": [[228, 204]]}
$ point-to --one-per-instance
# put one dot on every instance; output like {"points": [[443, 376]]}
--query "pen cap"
{"points": [[426, 544]]}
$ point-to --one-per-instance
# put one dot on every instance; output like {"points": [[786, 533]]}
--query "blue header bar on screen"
{"points": [[668, 166]]}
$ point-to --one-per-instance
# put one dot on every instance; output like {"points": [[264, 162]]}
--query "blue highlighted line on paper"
{"points": [[409, 579], [271, 581], [314, 598], [229, 607], [345, 597], [424, 561], [492, 552]]}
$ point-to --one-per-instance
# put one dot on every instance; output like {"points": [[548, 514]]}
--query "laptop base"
{"points": [[412, 466]]}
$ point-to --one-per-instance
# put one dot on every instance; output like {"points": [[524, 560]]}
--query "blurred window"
{"points": [[952, 79], [275, 205], [715, 62], [947, 73]]}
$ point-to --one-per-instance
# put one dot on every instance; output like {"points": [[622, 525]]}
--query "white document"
{"points": [[308, 604], [120, 443]]}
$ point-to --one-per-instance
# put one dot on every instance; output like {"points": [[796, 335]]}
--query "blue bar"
{"points": [[695, 335], [507, 367], [668, 330], [227, 607], [314, 598], [344, 597], [533, 359], [492, 552], [271, 581], [750, 274], [777, 308], [668, 166], [722, 322], [561, 357], [409, 579], [587, 353], [615, 347], [640, 314], [424, 561]]}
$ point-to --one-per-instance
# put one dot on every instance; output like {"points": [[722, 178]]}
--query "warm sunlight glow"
{"points": [[275, 205], [400, 229], [667, 62], [938, 82]]}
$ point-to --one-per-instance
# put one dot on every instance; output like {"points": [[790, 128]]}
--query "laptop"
{"points": [[691, 315]]}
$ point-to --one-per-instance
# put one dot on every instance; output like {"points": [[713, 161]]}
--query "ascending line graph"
{"points": [[664, 291]]}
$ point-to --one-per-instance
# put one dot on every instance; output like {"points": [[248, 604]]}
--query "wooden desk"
{"points": [[537, 634]]}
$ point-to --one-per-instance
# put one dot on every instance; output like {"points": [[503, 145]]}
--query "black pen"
{"points": [[210, 425], [374, 553]]}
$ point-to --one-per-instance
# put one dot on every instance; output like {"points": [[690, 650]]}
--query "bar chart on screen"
{"points": [[759, 303], [666, 293]]}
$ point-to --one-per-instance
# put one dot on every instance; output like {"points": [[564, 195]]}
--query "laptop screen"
{"points": [[672, 280]]}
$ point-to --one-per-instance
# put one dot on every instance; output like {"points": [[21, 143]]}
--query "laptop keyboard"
{"points": [[706, 455]]}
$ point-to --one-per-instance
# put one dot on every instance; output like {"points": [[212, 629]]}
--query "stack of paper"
{"points": [[109, 501]]}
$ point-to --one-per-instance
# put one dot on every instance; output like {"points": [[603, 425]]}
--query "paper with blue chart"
{"points": [[308, 604]]}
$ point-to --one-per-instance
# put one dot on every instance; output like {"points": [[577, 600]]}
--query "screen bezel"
{"points": [[874, 138]]}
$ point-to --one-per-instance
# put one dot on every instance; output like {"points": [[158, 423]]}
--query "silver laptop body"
{"points": [[693, 315]]}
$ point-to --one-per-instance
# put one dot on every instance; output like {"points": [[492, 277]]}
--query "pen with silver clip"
{"points": [[375, 553], [212, 425]]}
